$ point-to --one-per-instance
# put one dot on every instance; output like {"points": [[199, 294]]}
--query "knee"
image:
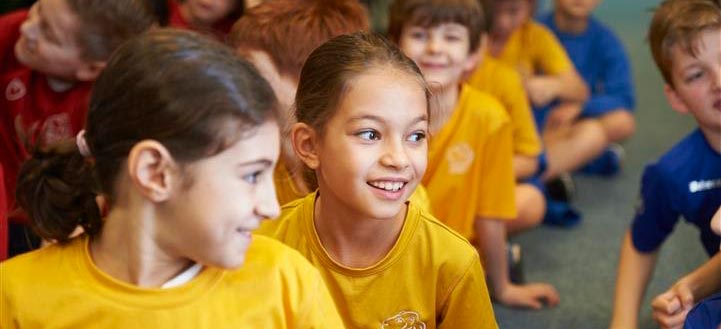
{"points": [[620, 125], [531, 205]]}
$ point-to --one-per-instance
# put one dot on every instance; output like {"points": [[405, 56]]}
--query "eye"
{"points": [[418, 34], [253, 177], [417, 136], [693, 76], [369, 135]]}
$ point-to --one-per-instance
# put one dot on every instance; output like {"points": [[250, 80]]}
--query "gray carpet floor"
{"points": [[581, 262]]}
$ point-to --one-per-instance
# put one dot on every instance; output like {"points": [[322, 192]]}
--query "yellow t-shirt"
{"points": [[60, 287], [533, 49], [431, 278], [286, 191], [502, 82], [470, 164]]}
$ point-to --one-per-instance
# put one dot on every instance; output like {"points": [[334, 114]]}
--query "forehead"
{"points": [[706, 45], [59, 17], [386, 93]]}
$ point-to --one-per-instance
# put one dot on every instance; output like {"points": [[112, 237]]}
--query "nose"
{"points": [[394, 154], [434, 43], [266, 204]]}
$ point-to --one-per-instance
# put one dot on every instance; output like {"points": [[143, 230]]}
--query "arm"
{"points": [[617, 90], [671, 307], [524, 166], [634, 272], [492, 245]]}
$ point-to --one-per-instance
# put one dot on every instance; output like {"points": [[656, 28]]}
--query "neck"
{"points": [[713, 138], [569, 24], [443, 110], [496, 43], [126, 250], [352, 239]]}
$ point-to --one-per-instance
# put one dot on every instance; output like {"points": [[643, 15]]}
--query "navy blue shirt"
{"points": [[686, 181], [705, 315], [599, 57]]}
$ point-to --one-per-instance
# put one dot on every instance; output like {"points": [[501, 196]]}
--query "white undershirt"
{"points": [[184, 277]]}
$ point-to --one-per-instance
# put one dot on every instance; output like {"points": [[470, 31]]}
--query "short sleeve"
{"points": [[549, 54], [655, 214], [468, 305]]}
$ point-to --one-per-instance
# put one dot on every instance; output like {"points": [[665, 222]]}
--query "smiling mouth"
{"points": [[388, 186]]}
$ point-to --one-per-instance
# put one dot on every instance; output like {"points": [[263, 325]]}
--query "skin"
{"points": [[367, 144], [206, 12], [48, 44], [170, 215], [695, 90]]}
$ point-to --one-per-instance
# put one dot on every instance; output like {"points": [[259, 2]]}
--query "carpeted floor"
{"points": [[581, 262]]}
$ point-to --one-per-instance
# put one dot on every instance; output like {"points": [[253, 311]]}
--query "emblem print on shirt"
{"points": [[703, 185], [404, 320], [15, 90], [459, 157]]}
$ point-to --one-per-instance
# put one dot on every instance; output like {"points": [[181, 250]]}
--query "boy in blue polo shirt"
{"points": [[685, 40], [601, 60]]}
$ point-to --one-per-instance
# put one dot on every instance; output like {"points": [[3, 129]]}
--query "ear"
{"points": [[472, 60], [675, 100], [152, 168], [305, 144], [90, 71]]}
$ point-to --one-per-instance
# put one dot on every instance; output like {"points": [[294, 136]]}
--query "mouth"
{"points": [[717, 105], [388, 186], [433, 66]]}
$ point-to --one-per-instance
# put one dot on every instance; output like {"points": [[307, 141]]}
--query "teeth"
{"points": [[388, 186]]}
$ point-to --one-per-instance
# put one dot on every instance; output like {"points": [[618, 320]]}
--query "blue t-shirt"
{"points": [[599, 57], [686, 181], [705, 315]]}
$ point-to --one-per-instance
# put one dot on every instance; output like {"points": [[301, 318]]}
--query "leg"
{"points": [[619, 125], [531, 207], [569, 150]]}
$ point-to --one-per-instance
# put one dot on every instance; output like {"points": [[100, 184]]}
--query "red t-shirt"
{"points": [[219, 30], [28, 99], [3, 220]]}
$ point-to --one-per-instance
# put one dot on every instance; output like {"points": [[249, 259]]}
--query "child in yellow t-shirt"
{"points": [[277, 37], [362, 113], [550, 80], [470, 177], [180, 145]]}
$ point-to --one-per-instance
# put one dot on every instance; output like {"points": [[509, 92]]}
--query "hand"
{"points": [[671, 307], [562, 116], [532, 295], [541, 90]]}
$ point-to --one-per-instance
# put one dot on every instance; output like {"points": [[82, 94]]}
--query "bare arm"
{"points": [[634, 273], [565, 86], [492, 245], [524, 166]]}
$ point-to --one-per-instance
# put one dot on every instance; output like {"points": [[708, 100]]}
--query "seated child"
{"points": [[685, 40], [599, 57], [49, 57], [555, 89], [472, 139], [362, 112], [214, 17], [181, 141]]}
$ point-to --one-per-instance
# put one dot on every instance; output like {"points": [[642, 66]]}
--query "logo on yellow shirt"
{"points": [[459, 157], [404, 320]]}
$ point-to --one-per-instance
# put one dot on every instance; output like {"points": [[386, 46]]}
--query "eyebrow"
{"points": [[378, 119], [263, 162]]}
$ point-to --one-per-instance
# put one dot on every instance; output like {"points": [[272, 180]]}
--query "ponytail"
{"points": [[57, 190]]}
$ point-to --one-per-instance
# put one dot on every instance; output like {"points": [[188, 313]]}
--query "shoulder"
{"points": [[537, 30], [26, 267], [479, 107], [684, 153], [445, 243]]}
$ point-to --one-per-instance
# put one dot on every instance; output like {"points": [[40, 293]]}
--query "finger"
{"points": [[666, 303], [685, 297]]}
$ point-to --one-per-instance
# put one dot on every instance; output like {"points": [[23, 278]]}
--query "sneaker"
{"points": [[607, 164], [562, 188], [515, 263]]}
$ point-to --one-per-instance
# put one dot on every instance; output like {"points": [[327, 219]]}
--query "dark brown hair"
{"points": [[330, 69], [288, 30], [104, 25], [429, 13], [184, 90], [679, 22]]}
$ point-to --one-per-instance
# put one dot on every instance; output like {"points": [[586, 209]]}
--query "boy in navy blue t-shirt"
{"points": [[685, 40]]}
